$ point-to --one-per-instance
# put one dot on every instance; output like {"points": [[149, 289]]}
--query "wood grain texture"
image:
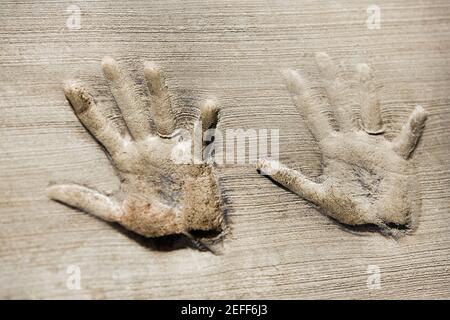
{"points": [[280, 247]]}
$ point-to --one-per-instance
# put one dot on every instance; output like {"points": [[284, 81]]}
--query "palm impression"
{"points": [[158, 196], [366, 178]]}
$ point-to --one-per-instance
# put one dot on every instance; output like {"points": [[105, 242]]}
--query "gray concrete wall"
{"points": [[280, 246]]}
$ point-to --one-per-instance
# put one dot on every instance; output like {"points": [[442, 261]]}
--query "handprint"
{"points": [[158, 196], [366, 178]]}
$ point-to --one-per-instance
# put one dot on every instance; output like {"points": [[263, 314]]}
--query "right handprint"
{"points": [[366, 178]]}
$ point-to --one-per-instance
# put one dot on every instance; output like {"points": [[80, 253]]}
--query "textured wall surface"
{"points": [[280, 246]]}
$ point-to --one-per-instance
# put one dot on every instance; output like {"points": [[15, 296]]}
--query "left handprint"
{"points": [[157, 195]]}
